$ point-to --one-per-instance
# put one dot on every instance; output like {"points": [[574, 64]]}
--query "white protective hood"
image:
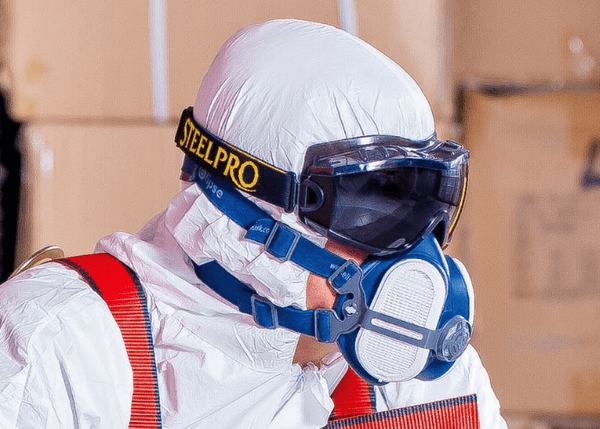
{"points": [[275, 89]]}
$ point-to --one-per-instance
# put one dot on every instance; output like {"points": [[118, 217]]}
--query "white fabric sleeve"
{"points": [[63, 363]]}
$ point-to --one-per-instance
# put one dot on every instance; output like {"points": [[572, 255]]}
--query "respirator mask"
{"points": [[405, 311]]}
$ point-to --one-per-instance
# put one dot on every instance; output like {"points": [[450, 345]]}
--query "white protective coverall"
{"points": [[272, 90]]}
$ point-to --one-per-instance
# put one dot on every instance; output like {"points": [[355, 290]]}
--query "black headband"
{"points": [[242, 170]]}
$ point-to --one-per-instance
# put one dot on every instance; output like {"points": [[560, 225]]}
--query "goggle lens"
{"points": [[387, 210]]}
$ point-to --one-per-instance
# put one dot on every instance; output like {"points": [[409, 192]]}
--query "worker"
{"points": [[303, 256]]}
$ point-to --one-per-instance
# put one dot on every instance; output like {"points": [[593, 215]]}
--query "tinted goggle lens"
{"points": [[387, 210]]}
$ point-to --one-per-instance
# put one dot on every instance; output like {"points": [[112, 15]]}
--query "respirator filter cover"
{"points": [[416, 322], [414, 292]]}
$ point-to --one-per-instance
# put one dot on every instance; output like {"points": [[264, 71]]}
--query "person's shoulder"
{"points": [[51, 307], [42, 293], [51, 277], [54, 328]]}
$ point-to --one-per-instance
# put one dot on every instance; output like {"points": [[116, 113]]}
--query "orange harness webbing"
{"points": [[354, 401], [118, 285]]}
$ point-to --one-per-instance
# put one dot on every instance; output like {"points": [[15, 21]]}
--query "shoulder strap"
{"points": [[119, 286], [352, 397], [354, 401]]}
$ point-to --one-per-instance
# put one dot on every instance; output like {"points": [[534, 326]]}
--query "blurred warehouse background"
{"points": [[91, 92]]}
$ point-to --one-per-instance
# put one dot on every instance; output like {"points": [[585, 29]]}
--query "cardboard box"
{"points": [[523, 40], [534, 247], [74, 59], [93, 59], [83, 182]]}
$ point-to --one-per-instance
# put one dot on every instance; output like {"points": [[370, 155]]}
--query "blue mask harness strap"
{"points": [[286, 244], [345, 276]]}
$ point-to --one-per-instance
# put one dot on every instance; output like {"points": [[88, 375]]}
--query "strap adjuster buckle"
{"points": [[271, 237], [347, 278], [329, 326], [264, 312]]}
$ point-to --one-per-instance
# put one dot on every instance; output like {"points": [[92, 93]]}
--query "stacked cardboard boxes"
{"points": [[534, 246], [84, 181]]}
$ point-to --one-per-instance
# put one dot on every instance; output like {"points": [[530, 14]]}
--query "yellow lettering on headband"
{"points": [[232, 163], [186, 134], [210, 143], [194, 139], [255, 177], [201, 145], [221, 156]]}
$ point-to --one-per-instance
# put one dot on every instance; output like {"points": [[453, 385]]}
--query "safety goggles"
{"points": [[380, 194], [383, 194]]}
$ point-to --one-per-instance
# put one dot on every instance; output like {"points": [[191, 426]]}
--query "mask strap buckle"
{"points": [[285, 233], [346, 281], [264, 312], [347, 278]]}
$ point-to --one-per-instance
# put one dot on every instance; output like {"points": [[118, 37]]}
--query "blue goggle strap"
{"points": [[279, 239]]}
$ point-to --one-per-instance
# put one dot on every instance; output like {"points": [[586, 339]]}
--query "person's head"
{"points": [[352, 129], [305, 119]]}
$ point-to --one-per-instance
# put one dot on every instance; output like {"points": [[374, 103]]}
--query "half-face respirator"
{"points": [[403, 313]]}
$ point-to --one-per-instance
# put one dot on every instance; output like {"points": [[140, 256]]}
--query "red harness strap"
{"points": [[352, 397], [118, 285], [354, 401]]}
